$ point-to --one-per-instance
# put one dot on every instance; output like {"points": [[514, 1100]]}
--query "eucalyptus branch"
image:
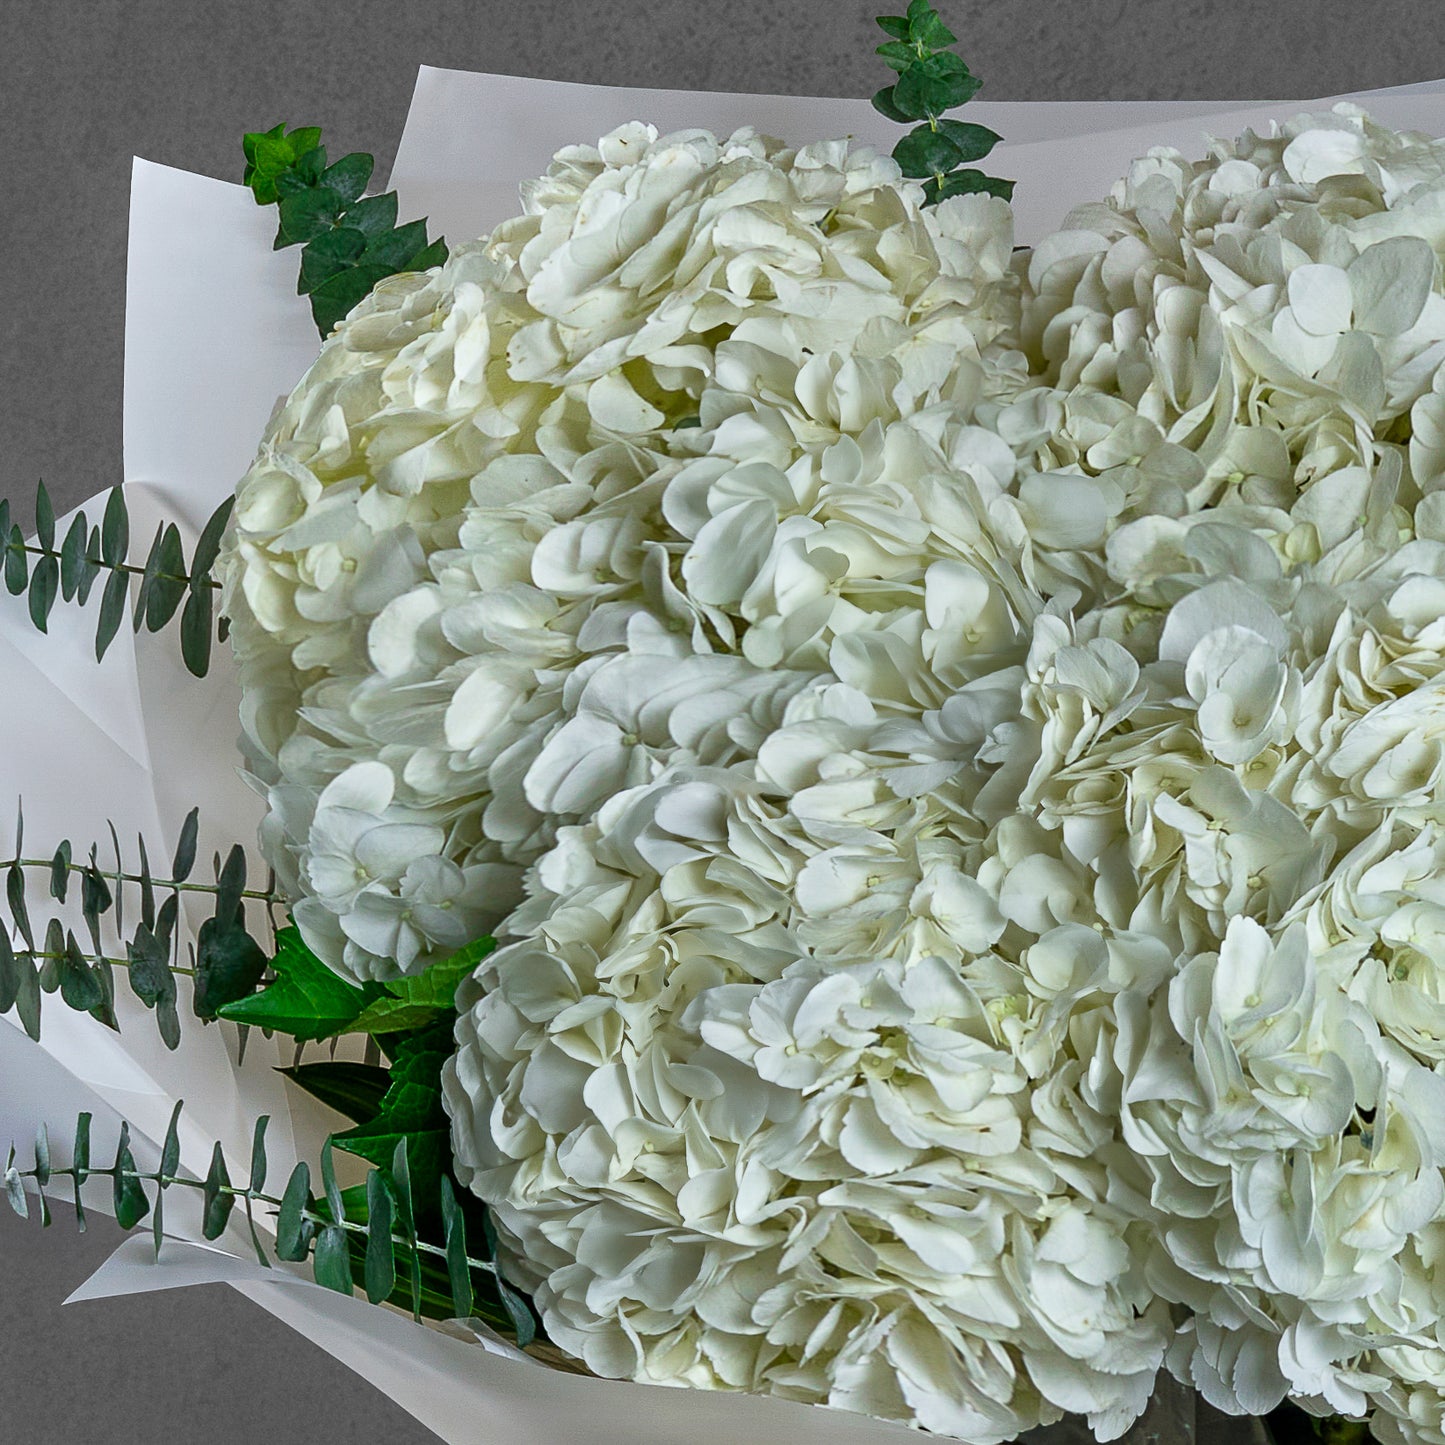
{"points": [[932, 80], [349, 1236], [43, 956], [350, 241], [70, 570]]}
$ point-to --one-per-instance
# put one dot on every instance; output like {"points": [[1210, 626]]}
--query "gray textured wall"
{"points": [[84, 84]]}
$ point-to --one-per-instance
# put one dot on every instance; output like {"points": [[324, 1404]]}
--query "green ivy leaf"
{"points": [[412, 1110], [413, 1003], [307, 1000], [355, 1090]]}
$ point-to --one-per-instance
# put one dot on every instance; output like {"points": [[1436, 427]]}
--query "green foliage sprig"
{"points": [[364, 1237], [226, 962], [350, 241], [70, 570], [933, 80]]}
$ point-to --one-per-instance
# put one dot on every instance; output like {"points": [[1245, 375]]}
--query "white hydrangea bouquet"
{"points": [[855, 813]]}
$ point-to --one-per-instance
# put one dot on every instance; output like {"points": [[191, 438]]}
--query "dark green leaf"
{"points": [[42, 1156], [127, 1196], [966, 183], [44, 518], [231, 884], [9, 973], [412, 1003], [112, 610], [348, 177], [196, 630], [894, 25], [929, 30], [15, 896], [168, 584], [328, 1183], [293, 1230], [327, 255], [434, 254], [375, 215], [518, 1311], [151, 979], [229, 965], [258, 1155], [883, 103], [898, 54], [334, 301], [168, 1021], [208, 546], [89, 566], [72, 557], [380, 1253], [332, 1264], [27, 994], [115, 529], [15, 1187], [306, 214], [170, 1163], [411, 1110], [148, 577], [355, 1090], [218, 1199], [60, 872], [79, 985], [930, 87], [44, 585], [459, 1272], [80, 1165], [394, 249], [972, 142], [926, 152], [185, 858], [308, 1000], [17, 569]]}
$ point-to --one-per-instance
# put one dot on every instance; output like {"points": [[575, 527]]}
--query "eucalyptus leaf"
{"points": [[380, 1252], [44, 518], [128, 1199], [44, 588], [332, 1261], [17, 568], [185, 858], [229, 965], [218, 1201], [115, 529], [294, 1231], [208, 545], [112, 612], [459, 1271], [196, 629], [72, 557]]}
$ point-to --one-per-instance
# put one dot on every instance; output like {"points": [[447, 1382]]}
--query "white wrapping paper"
{"points": [[214, 334]]}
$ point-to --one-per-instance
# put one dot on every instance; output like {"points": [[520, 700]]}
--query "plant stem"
{"points": [[118, 567], [162, 884]]}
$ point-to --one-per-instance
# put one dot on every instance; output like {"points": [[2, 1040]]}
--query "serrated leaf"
{"points": [[115, 529], [332, 1262], [185, 858], [348, 176], [44, 518], [217, 1200], [197, 629], [293, 1231], [380, 1252], [415, 1002], [307, 1000], [355, 1090], [129, 1201], [112, 612], [412, 1110], [229, 965], [72, 557], [44, 588]]}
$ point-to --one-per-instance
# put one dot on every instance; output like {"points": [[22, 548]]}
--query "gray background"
{"points": [[86, 84]]}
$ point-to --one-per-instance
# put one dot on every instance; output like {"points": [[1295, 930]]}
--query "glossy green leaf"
{"points": [[307, 1000], [417, 1001], [355, 1090]]}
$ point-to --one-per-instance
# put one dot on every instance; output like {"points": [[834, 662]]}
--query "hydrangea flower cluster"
{"points": [[953, 745]]}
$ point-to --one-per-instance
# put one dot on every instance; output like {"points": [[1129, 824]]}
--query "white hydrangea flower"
{"points": [[955, 756]]}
